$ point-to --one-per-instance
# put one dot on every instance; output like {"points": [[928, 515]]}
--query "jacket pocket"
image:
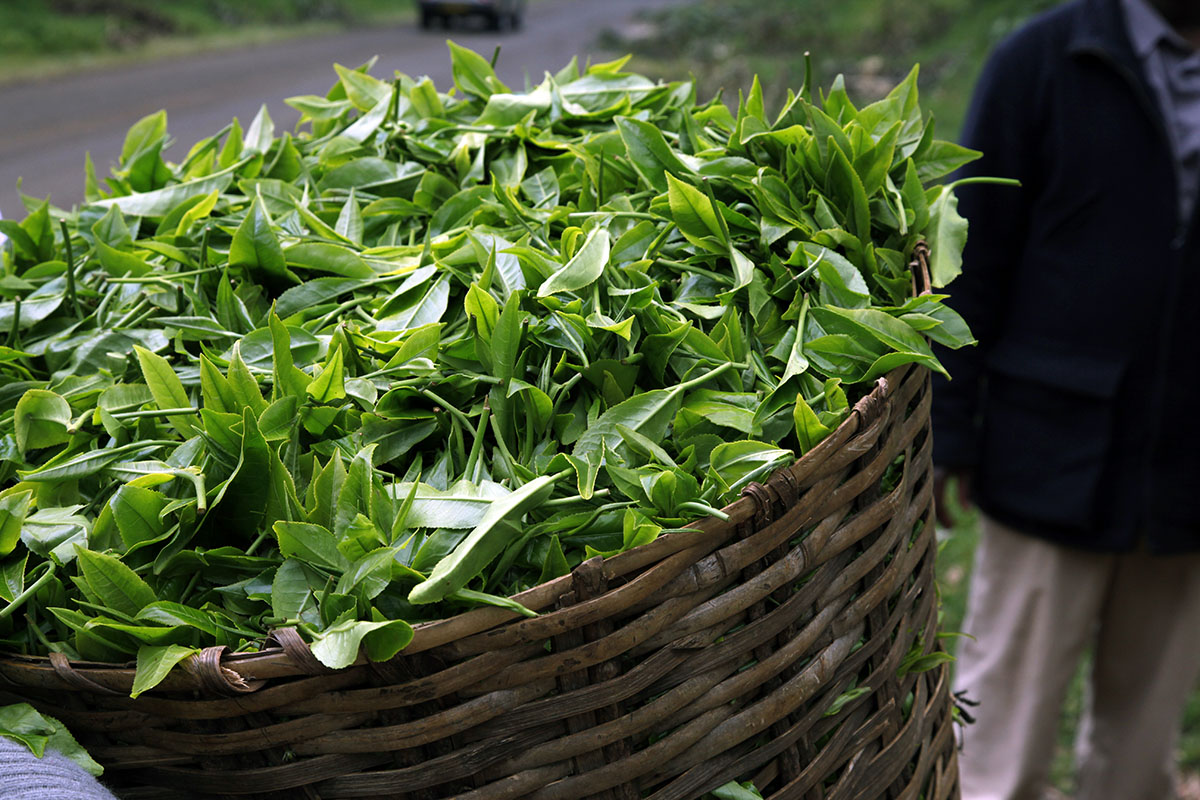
{"points": [[1047, 431]]}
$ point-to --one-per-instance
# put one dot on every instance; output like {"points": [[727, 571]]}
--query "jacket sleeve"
{"points": [[24, 776], [1003, 124]]}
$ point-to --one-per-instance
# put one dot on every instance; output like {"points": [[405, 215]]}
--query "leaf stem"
{"points": [[562, 393], [164, 278], [679, 266], [74, 425], [658, 240], [472, 467], [133, 313], [209, 144], [981, 179], [155, 412], [332, 315], [708, 376], [600, 182], [702, 508], [145, 315], [70, 269], [566, 501], [537, 237], [450, 407], [762, 371], [504, 451], [616, 214], [191, 586], [36, 630], [20, 599], [393, 112], [259, 540], [15, 330], [101, 312], [197, 478], [204, 247]]}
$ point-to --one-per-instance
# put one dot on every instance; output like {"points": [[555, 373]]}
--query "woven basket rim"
{"points": [[215, 669]]}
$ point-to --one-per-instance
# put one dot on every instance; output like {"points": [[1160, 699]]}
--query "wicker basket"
{"points": [[663, 672]]}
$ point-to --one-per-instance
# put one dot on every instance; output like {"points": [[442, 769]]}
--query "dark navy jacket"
{"points": [[1079, 408]]}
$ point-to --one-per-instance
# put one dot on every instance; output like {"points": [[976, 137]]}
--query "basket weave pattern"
{"points": [[664, 672]]}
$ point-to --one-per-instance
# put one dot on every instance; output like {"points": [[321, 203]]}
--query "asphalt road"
{"points": [[46, 127]]}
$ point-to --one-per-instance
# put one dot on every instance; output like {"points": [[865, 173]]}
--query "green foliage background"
{"points": [[874, 43], [35, 27], [48, 36]]}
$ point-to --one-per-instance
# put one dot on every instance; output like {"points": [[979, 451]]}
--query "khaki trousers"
{"points": [[1033, 608]]}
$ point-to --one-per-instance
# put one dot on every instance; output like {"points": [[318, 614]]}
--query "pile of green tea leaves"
{"points": [[434, 348]]}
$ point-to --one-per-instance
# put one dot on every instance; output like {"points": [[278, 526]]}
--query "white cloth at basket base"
{"points": [[1034, 608], [24, 776]]}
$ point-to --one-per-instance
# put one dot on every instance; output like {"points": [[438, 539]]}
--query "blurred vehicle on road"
{"points": [[498, 14]]}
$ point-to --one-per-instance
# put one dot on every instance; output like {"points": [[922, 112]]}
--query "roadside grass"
{"points": [[40, 39]]}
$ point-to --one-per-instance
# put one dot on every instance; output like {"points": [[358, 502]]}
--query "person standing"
{"points": [[1075, 424]]}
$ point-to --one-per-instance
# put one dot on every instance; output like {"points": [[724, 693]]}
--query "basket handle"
{"points": [[919, 266]]}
